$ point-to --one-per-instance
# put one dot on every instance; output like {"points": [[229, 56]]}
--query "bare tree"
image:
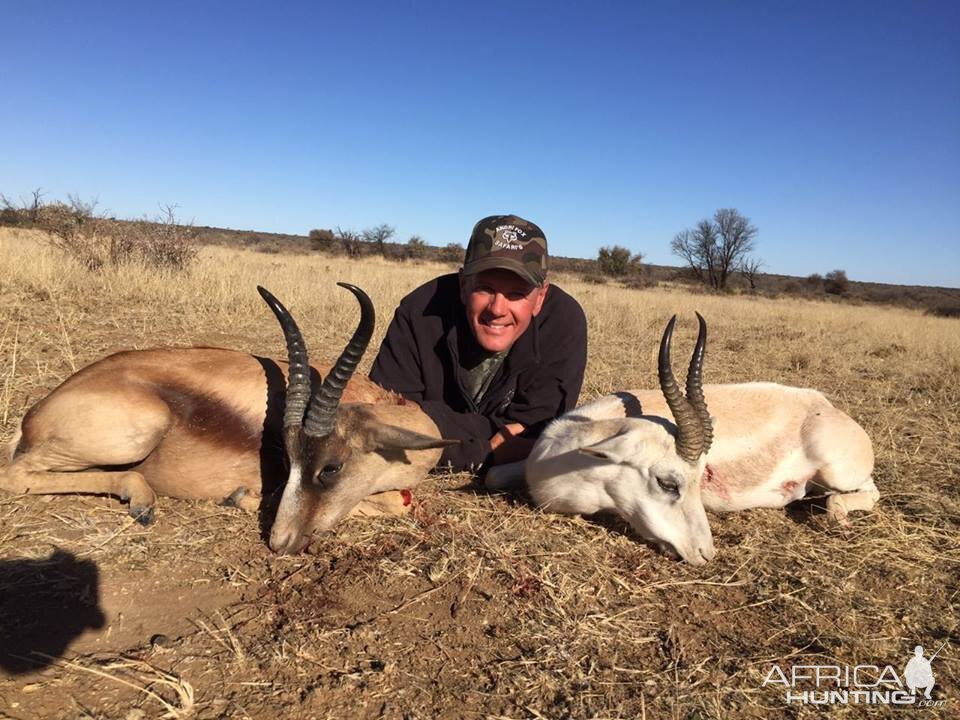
{"points": [[35, 204], [29, 209], [750, 268], [697, 247], [736, 240], [379, 236], [85, 210], [350, 241], [714, 249]]}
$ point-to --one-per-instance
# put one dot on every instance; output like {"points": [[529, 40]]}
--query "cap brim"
{"points": [[502, 263]]}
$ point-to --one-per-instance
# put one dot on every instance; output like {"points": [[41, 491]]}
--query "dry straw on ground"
{"points": [[475, 605]]}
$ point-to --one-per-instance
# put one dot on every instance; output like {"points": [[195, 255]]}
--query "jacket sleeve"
{"points": [[398, 367], [553, 387]]}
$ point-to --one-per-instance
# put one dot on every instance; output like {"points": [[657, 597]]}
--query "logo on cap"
{"points": [[508, 237], [508, 242]]}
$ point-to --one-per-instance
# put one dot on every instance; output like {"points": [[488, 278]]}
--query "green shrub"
{"points": [[416, 248], [639, 282], [594, 279], [323, 240], [163, 243], [835, 282], [453, 252], [9, 216], [617, 261], [948, 310]]}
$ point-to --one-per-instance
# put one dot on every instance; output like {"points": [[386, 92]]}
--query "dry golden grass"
{"points": [[479, 605]]}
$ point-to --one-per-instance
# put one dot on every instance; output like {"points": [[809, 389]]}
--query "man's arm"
{"points": [[508, 445], [553, 387]]}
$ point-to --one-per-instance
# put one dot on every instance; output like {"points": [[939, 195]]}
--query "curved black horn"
{"points": [[689, 432], [322, 413], [298, 374], [695, 385]]}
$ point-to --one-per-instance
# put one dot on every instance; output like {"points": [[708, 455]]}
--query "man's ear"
{"points": [[464, 284], [541, 296]]}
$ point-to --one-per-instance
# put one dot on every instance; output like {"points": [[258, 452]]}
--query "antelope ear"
{"points": [[603, 451], [616, 448], [594, 452], [391, 437]]}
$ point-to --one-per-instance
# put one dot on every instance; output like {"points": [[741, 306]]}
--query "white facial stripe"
{"points": [[286, 533], [291, 500]]}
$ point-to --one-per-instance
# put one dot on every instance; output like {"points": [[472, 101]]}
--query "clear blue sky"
{"points": [[834, 126]]}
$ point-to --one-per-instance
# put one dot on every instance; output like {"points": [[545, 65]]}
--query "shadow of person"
{"points": [[44, 606]]}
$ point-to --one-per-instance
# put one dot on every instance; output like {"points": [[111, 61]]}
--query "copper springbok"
{"points": [[214, 423], [659, 459]]}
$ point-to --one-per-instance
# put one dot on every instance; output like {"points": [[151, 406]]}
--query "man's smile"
{"points": [[500, 305], [495, 325]]}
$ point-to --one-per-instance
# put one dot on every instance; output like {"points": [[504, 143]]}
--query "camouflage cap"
{"points": [[508, 242]]}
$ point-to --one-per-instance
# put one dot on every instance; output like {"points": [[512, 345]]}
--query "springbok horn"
{"points": [[689, 432], [695, 385], [298, 374], [322, 413]]}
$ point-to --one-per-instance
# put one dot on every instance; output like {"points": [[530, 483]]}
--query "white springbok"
{"points": [[214, 423], [659, 458]]}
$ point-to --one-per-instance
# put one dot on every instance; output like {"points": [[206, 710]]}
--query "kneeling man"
{"points": [[492, 353]]}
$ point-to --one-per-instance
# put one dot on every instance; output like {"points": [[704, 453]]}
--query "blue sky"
{"points": [[834, 126]]}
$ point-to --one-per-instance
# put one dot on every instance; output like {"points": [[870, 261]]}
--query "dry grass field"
{"points": [[474, 605]]}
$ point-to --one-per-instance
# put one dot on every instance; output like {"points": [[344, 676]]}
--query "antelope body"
{"points": [[660, 459], [214, 423]]}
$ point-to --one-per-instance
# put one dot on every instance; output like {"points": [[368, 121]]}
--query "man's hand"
{"points": [[507, 446]]}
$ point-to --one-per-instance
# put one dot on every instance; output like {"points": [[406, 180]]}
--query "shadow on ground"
{"points": [[44, 606]]}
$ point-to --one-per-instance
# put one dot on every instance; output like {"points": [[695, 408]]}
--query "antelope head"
{"points": [[330, 448], [658, 465]]}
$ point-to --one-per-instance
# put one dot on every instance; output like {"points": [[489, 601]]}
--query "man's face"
{"points": [[500, 305]]}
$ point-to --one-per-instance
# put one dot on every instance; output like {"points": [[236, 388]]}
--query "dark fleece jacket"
{"points": [[539, 379]]}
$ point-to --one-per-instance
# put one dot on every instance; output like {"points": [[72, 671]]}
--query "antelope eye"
{"points": [[668, 485], [329, 470]]}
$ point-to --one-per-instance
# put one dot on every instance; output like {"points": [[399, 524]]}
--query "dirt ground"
{"points": [[478, 605]]}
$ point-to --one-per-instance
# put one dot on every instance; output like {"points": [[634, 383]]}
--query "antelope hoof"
{"points": [[143, 514], [235, 498], [841, 520], [838, 511]]}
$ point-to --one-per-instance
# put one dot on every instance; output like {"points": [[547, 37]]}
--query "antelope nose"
{"points": [[287, 543], [707, 552]]}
